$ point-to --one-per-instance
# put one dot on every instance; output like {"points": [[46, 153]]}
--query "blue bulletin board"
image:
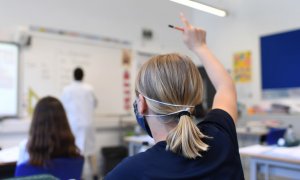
{"points": [[280, 60]]}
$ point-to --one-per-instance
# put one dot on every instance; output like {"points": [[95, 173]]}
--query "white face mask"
{"points": [[185, 108]]}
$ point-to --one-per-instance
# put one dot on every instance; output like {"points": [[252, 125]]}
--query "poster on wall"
{"points": [[242, 74], [126, 61], [242, 67]]}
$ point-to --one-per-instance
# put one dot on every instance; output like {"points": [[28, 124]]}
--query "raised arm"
{"points": [[225, 98]]}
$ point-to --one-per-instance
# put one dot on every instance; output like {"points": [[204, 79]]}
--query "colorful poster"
{"points": [[126, 61], [242, 71]]}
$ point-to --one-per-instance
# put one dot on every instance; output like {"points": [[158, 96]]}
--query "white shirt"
{"points": [[79, 102], [23, 153]]}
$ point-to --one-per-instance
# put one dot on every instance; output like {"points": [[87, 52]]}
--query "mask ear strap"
{"points": [[167, 104], [162, 115]]}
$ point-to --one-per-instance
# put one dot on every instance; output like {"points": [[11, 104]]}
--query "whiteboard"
{"points": [[9, 76], [49, 64]]}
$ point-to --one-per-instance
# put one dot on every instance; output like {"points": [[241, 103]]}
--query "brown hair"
{"points": [[50, 135], [174, 79]]}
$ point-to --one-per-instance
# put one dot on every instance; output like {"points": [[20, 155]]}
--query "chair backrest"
{"points": [[275, 134], [62, 168], [35, 177], [112, 156], [7, 170]]}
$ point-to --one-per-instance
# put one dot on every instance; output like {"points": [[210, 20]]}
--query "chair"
{"points": [[112, 156], [7, 170], [274, 134], [35, 177], [62, 168]]}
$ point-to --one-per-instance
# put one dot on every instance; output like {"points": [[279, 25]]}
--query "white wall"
{"points": [[241, 30], [123, 19]]}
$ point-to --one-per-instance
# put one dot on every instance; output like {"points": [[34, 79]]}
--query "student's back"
{"points": [[221, 161], [50, 140], [79, 102]]}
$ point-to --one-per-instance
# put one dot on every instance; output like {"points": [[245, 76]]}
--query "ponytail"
{"points": [[186, 139]]}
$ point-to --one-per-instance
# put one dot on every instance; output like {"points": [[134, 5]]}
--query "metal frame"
{"points": [[273, 167]]}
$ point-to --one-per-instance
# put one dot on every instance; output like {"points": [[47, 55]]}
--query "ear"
{"points": [[143, 108]]}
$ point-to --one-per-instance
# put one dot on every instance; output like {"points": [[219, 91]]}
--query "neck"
{"points": [[159, 137], [159, 129]]}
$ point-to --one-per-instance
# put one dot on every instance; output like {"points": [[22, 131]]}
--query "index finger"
{"points": [[184, 20]]}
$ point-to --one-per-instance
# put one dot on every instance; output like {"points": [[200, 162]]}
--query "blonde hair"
{"points": [[174, 78]]}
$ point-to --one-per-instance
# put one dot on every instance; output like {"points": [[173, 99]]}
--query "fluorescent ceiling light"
{"points": [[202, 7]]}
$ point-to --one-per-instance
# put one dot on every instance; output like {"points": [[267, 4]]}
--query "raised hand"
{"points": [[193, 37]]}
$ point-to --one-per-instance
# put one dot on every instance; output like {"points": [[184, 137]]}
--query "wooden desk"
{"points": [[273, 160]]}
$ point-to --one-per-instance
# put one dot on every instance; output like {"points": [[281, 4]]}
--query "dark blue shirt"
{"points": [[221, 161]]}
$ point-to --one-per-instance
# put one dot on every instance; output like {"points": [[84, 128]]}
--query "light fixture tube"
{"points": [[202, 7]]}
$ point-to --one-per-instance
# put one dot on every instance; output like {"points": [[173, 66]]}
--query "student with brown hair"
{"points": [[50, 138], [168, 87]]}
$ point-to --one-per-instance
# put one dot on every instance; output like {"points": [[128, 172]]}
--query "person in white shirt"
{"points": [[80, 102]]}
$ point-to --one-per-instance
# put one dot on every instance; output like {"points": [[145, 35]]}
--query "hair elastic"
{"points": [[162, 115], [184, 113]]}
